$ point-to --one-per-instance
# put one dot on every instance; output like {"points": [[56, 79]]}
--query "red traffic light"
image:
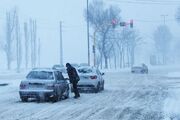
{"points": [[114, 22], [131, 23]]}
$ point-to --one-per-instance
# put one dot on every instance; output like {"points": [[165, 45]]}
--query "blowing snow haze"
{"points": [[134, 71], [147, 16]]}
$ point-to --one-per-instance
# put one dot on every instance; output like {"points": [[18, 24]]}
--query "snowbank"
{"points": [[171, 106]]}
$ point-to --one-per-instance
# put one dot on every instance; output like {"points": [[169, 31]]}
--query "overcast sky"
{"points": [[48, 13]]}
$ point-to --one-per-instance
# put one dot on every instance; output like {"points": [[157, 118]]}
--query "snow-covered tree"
{"points": [[26, 36], [162, 38], [18, 43], [10, 26], [100, 18], [33, 41]]}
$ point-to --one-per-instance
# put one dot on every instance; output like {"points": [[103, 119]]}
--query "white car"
{"points": [[44, 84], [90, 79], [83, 64]]}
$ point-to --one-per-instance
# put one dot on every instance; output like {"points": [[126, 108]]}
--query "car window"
{"points": [[85, 70], [58, 75], [40, 75]]}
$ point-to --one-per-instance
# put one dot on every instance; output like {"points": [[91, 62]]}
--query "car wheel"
{"points": [[97, 89], [57, 97], [66, 96], [24, 99], [102, 86]]}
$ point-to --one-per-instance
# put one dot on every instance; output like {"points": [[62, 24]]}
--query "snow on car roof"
{"points": [[43, 69], [88, 69]]}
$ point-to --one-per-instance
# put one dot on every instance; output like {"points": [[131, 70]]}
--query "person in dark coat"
{"points": [[73, 78]]}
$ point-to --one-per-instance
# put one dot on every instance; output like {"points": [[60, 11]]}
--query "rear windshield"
{"points": [[40, 75], [137, 67], [85, 70]]}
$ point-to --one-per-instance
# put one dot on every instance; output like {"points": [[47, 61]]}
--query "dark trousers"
{"points": [[75, 89]]}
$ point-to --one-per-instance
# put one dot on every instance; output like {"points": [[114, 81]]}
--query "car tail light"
{"points": [[50, 86], [22, 86], [93, 77]]}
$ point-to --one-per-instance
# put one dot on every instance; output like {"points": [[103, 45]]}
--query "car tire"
{"points": [[97, 88], [66, 94], [47, 98], [102, 86], [24, 99], [56, 97]]}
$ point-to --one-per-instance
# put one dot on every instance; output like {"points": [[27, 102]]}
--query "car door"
{"points": [[61, 81], [58, 85]]}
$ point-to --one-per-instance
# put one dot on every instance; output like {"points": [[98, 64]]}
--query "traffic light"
{"points": [[131, 23], [114, 23]]}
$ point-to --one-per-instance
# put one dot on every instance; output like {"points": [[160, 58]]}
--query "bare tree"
{"points": [[132, 40], [162, 37], [10, 25], [33, 40], [18, 44], [26, 35], [100, 19]]}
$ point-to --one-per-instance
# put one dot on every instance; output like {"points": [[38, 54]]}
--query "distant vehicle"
{"points": [[44, 84], [60, 68], [75, 65], [90, 79], [140, 69]]}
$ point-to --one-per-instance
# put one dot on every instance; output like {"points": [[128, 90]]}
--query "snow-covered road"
{"points": [[126, 97]]}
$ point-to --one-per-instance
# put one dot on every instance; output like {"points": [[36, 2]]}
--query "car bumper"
{"points": [[35, 93], [86, 87]]}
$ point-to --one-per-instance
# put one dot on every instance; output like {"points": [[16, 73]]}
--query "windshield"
{"points": [[40, 75], [85, 70]]}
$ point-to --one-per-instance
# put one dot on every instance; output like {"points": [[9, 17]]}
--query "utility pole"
{"points": [[39, 52], [164, 18], [61, 46], [88, 32]]}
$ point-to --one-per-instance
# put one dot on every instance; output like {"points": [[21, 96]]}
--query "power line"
{"points": [[154, 21], [142, 2], [160, 1]]}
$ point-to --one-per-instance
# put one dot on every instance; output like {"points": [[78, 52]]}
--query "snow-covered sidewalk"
{"points": [[172, 103], [172, 106], [174, 75]]}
